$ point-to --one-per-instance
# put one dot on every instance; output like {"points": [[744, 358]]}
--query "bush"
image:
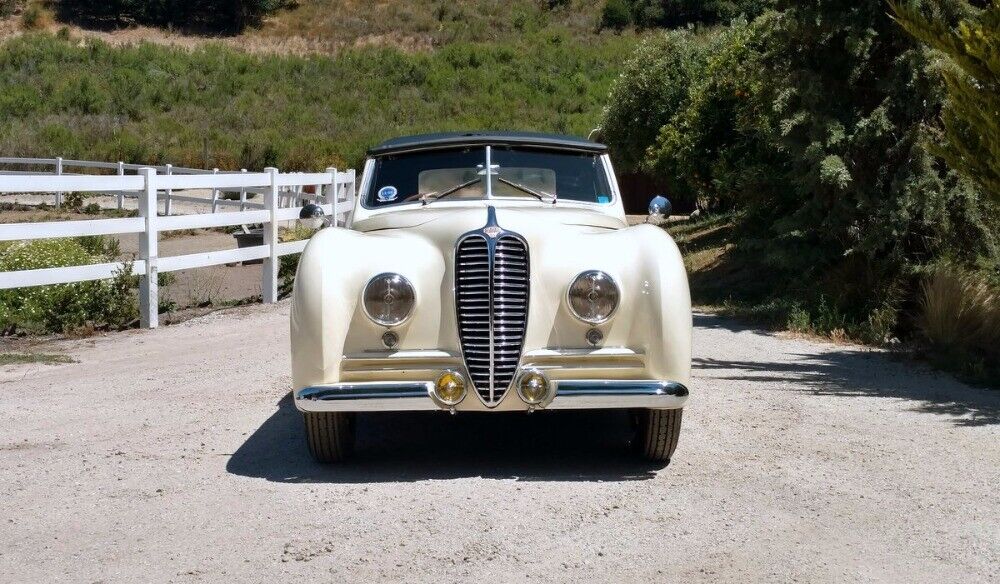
{"points": [[616, 14], [65, 307], [226, 15], [675, 13], [650, 90], [959, 308], [8, 7], [35, 17]]}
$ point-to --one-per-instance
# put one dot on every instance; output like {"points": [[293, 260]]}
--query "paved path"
{"points": [[171, 456]]}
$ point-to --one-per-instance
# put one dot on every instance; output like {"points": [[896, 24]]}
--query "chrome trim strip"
{"points": [[588, 387], [397, 396]]}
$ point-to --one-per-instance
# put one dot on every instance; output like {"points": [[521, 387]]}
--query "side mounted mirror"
{"points": [[312, 216], [659, 209]]}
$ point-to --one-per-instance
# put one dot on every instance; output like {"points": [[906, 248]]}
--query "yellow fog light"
{"points": [[449, 390], [533, 387]]}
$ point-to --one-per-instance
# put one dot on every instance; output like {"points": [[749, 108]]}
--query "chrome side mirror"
{"points": [[659, 209], [312, 216]]}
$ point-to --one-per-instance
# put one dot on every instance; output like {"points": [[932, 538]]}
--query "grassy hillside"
{"points": [[217, 106]]}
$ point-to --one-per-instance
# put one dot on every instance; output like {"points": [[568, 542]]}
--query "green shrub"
{"points": [[817, 125], [64, 307], [7, 7], [616, 14], [228, 15]]}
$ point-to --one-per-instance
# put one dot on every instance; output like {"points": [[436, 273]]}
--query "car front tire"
{"points": [[330, 435], [657, 434]]}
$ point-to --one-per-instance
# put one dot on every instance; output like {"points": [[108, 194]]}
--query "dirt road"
{"points": [[174, 456]]}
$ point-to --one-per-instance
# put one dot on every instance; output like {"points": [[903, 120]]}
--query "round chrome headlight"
{"points": [[593, 297], [388, 299]]}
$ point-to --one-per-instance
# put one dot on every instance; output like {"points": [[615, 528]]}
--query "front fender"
{"points": [[327, 320], [654, 315]]}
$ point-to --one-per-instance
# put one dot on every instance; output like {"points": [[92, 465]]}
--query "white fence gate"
{"points": [[334, 191]]}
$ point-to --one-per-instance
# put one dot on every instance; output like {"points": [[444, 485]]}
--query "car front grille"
{"points": [[491, 296]]}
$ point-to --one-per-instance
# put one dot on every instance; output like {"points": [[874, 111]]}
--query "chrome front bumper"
{"points": [[392, 396]]}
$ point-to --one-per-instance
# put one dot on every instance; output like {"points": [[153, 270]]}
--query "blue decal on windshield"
{"points": [[603, 199], [386, 194]]}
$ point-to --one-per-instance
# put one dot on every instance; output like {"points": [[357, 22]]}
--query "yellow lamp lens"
{"points": [[450, 388], [534, 388]]}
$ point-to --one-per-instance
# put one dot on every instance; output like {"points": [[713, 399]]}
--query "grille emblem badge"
{"points": [[492, 231]]}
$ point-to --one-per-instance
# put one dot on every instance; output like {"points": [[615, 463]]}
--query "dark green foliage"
{"points": [[616, 14], [153, 104], [7, 7], [972, 112], [223, 15], [672, 13], [817, 124]]}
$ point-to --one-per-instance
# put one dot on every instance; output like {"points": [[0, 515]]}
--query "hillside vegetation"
{"points": [[218, 107]]}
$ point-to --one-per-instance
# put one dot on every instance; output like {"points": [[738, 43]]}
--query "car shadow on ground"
{"points": [[859, 372], [415, 446]]}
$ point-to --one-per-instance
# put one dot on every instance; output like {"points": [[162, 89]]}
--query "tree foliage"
{"points": [[971, 114], [672, 13], [224, 15], [816, 122]]}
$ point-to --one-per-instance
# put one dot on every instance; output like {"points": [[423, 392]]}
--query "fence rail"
{"points": [[334, 190], [292, 191]]}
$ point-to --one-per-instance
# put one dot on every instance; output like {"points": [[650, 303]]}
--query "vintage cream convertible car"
{"points": [[490, 272]]}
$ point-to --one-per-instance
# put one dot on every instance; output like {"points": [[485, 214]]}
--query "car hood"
{"points": [[447, 224]]}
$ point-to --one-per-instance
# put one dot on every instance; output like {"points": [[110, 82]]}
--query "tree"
{"points": [[971, 114]]}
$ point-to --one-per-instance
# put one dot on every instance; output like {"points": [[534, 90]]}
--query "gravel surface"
{"points": [[170, 456]]}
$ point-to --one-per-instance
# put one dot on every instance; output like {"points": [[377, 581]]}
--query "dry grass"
{"points": [[960, 309]]}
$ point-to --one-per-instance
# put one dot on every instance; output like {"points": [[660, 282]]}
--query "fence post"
{"points": [[332, 193], [166, 202], [121, 194], [149, 293], [59, 170], [269, 277], [215, 193], [243, 194]]}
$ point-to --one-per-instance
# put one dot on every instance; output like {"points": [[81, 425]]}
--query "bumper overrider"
{"points": [[531, 390]]}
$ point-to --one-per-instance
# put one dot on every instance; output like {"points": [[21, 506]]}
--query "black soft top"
{"points": [[446, 139]]}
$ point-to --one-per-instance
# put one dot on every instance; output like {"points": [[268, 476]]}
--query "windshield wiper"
{"points": [[540, 195], [430, 197]]}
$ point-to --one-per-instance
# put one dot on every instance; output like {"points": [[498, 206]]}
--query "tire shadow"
{"points": [[583, 445]]}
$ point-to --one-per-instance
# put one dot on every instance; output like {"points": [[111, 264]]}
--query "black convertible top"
{"points": [[445, 139]]}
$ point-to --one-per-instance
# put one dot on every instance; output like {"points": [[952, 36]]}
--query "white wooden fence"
{"points": [[334, 190], [291, 194]]}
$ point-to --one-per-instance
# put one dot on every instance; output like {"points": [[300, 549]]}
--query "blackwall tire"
{"points": [[330, 435], [658, 433]]}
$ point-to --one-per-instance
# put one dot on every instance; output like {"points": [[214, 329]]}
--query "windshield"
{"points": [[459, 174]]}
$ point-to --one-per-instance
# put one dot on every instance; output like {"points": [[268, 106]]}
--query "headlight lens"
{"points": [[593, 297], [388, 299]]}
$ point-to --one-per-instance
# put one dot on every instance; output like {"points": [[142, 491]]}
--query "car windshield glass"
{"points": [[404, 178], [517, 172]]}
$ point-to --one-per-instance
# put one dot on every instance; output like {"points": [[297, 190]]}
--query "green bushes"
{"points": [[65, 307], [226, 15], [618, 14], [817, 125]]}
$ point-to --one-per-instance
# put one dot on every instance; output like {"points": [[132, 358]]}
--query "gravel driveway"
{"points": [[175, 455]]}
